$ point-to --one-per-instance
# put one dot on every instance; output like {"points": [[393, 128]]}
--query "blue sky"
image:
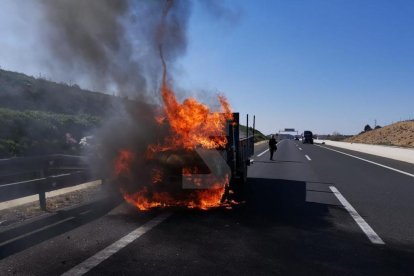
{"points": [[322, 65], [316, 64]]}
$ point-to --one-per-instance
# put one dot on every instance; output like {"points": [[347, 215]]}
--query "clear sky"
{"points": [[323, 65]]}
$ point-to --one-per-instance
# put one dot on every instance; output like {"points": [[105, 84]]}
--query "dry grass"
{"points": [[29, 210], [399, 134]]}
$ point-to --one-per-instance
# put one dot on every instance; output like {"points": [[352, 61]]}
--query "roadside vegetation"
{"points": [[22, 92], [38, 116], [39, 132], [258, 136]]}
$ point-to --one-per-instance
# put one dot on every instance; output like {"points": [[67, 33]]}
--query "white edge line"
{"points": [[372, 236], [369, 161], [107, 252], [36, 231], [307, 157], [260, 154]]}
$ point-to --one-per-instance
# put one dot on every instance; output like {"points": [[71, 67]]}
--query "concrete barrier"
{"points": [[397, 153]]}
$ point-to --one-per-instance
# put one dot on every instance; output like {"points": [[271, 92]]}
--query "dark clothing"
{"points": [[272, 147], [272, 143]]}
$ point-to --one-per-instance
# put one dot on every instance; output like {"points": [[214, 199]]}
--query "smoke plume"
{"points": [[115, 43], [125, 47], [101, 45]]}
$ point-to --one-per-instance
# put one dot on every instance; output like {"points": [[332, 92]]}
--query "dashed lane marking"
{"points": [[307, 157], [260, 154], [372, 236]]}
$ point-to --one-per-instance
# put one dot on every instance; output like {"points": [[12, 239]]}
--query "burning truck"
{"points": [[199, 162], [159, 151], [196, 161]]}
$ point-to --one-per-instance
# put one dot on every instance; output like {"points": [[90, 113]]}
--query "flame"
{"points": [[201, 199], [123, 162], [156, 176], [192, 124]]}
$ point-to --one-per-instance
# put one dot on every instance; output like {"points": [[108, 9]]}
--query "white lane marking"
{"points": [[372, 236], [36, 231], [307, 157], [369, 161], [260, 154], [300, 148], [107, 252]]}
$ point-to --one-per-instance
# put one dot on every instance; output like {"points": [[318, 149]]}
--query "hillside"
{"points": [[36, 114], [22, 92], [258, 136], [398, 134], [25, 133]]}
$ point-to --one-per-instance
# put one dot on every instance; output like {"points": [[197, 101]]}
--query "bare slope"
{"points": [[397, 134]]}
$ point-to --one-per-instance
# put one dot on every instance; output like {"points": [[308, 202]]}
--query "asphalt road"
{"points": [[293, 224]]}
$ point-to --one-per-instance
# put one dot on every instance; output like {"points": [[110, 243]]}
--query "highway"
{"points": [[314, 210]]}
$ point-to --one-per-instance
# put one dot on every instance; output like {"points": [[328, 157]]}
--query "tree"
{"points": [[367, 128]]}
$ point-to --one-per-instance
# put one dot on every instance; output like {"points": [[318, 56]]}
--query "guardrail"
{"points": [[20, 177], [246, 148]]}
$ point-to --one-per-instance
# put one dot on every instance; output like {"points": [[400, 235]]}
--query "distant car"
{"points": [[87, 142], [307, 137], [297, 138]]}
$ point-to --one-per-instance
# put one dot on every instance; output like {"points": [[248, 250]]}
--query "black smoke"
{"points": [[114, 44]]}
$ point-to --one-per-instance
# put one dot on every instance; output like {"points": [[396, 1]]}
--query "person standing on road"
{"points": [[272, 146]]}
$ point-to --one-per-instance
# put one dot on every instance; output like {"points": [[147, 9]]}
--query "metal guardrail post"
{"points": [[42, 194], [42, 179], [42, 200]]}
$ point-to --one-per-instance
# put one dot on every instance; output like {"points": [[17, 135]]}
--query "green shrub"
{"points": [[39, 132]]}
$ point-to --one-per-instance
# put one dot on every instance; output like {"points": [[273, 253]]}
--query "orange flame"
{"points": [[123, 162], [157, 176], [201, 199], [192, 125]]}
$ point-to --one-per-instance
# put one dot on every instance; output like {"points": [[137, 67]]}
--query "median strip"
{"points": [[107, 252], [372, 236]]}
